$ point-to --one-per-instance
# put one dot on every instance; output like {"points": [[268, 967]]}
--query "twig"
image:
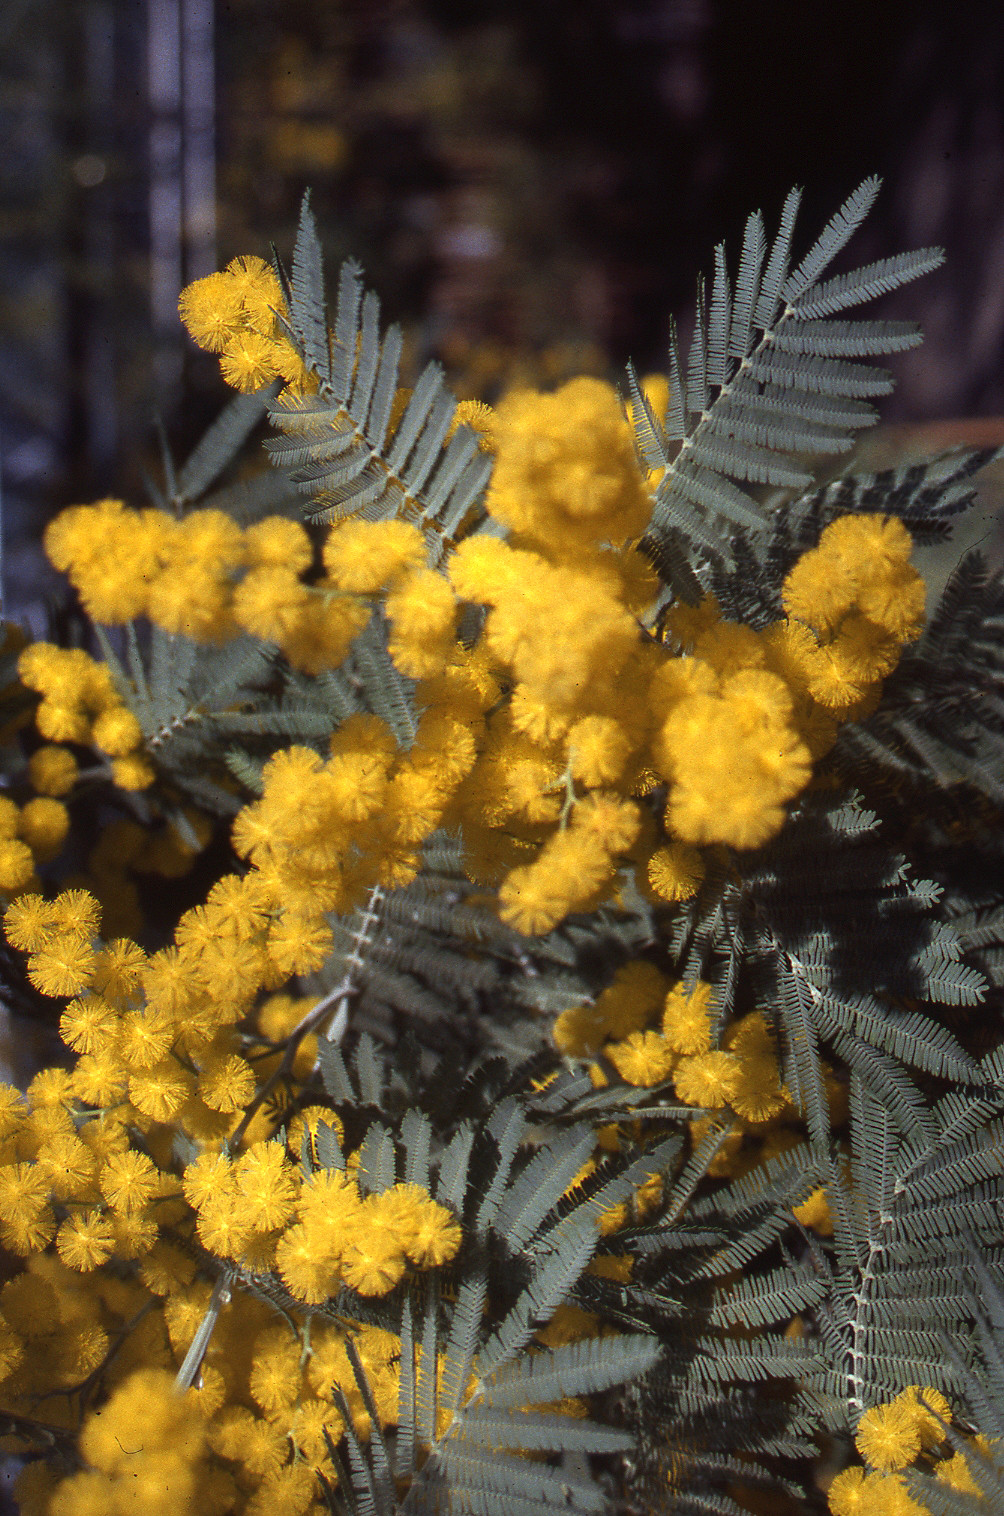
{"points": [[334, 1004], [200, 1342]]}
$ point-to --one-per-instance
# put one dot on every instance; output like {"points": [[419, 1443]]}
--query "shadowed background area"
{"points": [[531, 188]]}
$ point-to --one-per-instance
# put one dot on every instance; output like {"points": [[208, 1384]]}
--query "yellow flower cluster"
{"points": [[566, 476], [80, 704], [649, 1031], [389, 558], [326, 831], [29, 834], [617, 1027], [852, 603], [597, 714], [250, 1441], [541, 739], [238, 314], [158, 1055], [145, 1450], [318, 1234], [205, 577], [891, 1437], [157, 1031]]}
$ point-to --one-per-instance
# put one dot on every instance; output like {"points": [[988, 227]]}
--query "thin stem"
{"points": [[200, 1342]]}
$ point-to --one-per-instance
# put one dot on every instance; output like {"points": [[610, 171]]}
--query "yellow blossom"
{"points": [[85, 1240], [888, 1437], [52, 770], [117, 731], [227, 1084], [643, 1058], [366, 556], [687, 1018], [675, 872], [128, 1181], [133, 772], [211, 310], [248, 361], [707, 1079]]}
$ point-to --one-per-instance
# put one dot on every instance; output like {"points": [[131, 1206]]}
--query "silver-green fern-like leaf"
{"points": [[770, 381], [340, 443]]}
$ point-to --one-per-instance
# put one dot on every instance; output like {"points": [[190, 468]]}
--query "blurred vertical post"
{"points": [[98, 360], [182, 153], [199, 137], [163, 48]]}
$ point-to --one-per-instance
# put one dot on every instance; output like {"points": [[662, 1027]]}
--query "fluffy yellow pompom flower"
{"points": [[567, 872], [248, 361], [28, 922], [133, 772], [52, 770], [76, 911], [675, 872], [429, 1234], [599, 748], [579, 1031], [896, 602], [435, 1237], [276, 1376], [607, 818], [931, 1434], [117, 731], [257, 287], [267, 1184], [278, 542], [423, 613], [484, 569], [120, 966], [160, 1091], [367, 556], [861, 563], [322, 636], [373, 1260], [269, 603], [61, 723], [956, 1471], [298, 944], [111, 554], [65, 967], [146, 1446], [757, 1094], [24, 1191], [707, 1079], [128, 1181], [89, 1026], [643, 1058], [99, 1078], [849, 1494], [211, 309], [687, 1018], [16, 865], [227, 1084], [888, 1437], [145, 1037], [85, 1241], [566, 472], [308, 1276]]}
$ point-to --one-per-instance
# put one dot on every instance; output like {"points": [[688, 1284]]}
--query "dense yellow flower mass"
{"points": [[541, 739], [159, 1056], [238, 314], [892, 1437], [582, 738]]}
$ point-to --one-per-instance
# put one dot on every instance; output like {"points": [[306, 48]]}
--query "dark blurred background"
{"points": [[531, 188]]}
